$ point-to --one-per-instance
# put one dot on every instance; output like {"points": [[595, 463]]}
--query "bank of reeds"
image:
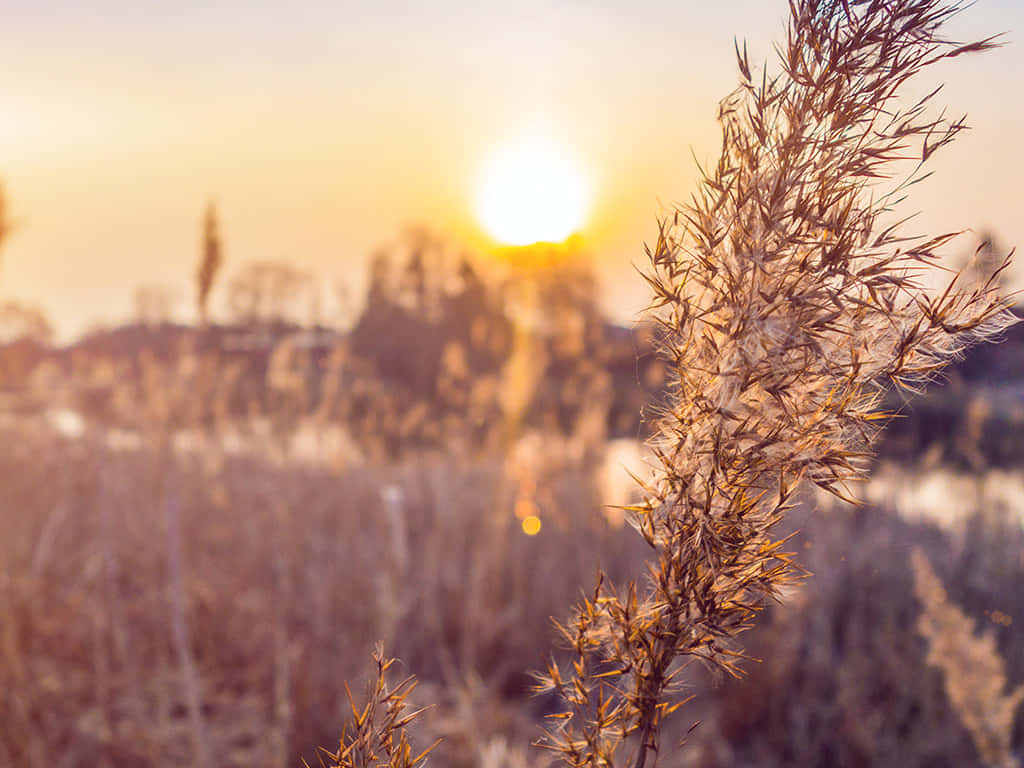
{"points": [[161, 610]]}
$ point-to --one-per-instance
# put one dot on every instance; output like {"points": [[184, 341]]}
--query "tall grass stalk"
{"points": [[182, 635], [974, 672], [377, 733], [787, 299]]}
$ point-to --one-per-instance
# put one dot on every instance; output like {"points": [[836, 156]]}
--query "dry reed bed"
{"points": [[158, 613], [847, 678], [281, 606]]}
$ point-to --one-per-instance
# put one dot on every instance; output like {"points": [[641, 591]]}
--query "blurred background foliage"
{"points": [[208, 527]]}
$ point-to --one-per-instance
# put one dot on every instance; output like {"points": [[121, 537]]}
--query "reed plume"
{"points": [[376, 737], [209, 262], [974, 672], [787, 300]]}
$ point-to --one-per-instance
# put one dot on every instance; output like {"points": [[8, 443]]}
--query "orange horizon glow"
{"points": [[322, 135]]}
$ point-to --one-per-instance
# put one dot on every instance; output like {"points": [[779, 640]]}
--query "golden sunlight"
{"points": [[531, 191]]}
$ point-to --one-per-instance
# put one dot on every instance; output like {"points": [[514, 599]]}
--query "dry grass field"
{"points": [[209, 533]]}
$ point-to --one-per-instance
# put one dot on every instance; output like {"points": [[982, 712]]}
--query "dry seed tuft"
{"points": [[376, 736], [787, 301]]}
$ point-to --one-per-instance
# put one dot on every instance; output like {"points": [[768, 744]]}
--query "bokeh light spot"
{"points": [[531, 525]]}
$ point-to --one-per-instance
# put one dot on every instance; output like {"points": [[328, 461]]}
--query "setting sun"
{"points": [[531, 191]]}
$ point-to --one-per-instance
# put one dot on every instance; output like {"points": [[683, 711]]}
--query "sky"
{"points": [[322, 130]]}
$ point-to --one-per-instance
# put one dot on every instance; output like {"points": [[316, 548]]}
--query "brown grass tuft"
{"points": [[376, 736]]}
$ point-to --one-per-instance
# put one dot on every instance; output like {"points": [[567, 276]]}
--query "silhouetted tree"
{"points": [[5, 221], [379, 291], [154, 303], [20, 322], [415, 280], [985, 261], [209, 262], [424, 279], [269, 292], [25, 334]]}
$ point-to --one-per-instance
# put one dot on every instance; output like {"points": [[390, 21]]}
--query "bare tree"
{"points": [[269, 292], [978, 265], [6, 224], [3, 216], [155, 303], [21, 321]]}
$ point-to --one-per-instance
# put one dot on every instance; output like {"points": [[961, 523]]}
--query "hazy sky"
{"points": [[322, 128]]}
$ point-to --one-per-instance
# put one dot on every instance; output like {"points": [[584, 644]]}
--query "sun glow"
{"points": [[531, 191]]}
